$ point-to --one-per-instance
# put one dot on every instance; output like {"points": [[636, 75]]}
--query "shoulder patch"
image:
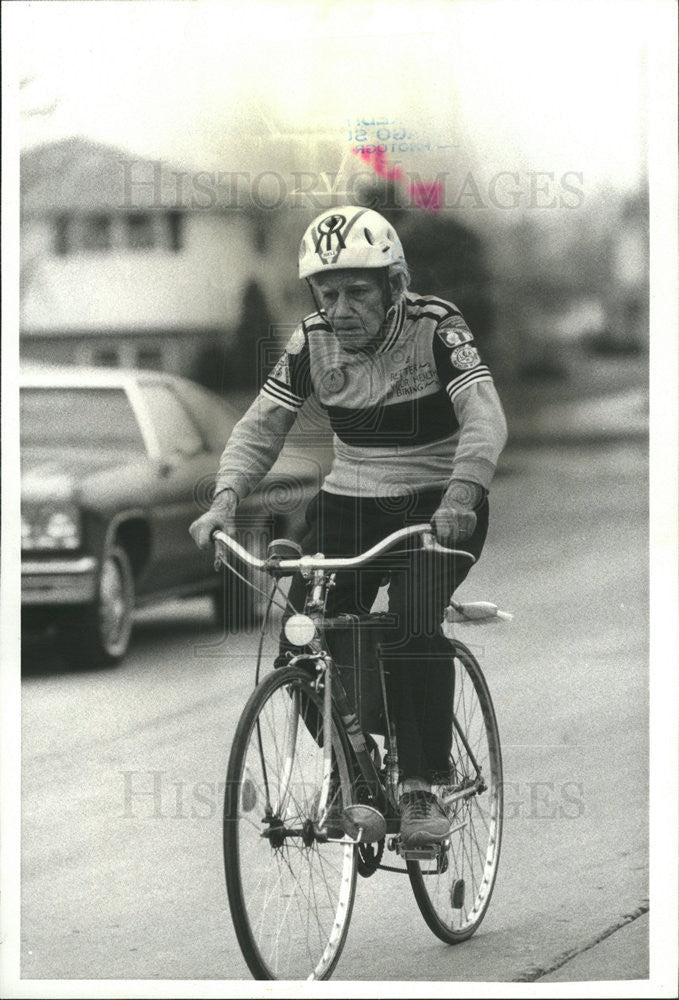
{"points": [[282, 370], [453, 331], [296, 342], [465, 357]]}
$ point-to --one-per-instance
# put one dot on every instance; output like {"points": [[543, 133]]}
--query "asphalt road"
{"points": [[121, 831]]}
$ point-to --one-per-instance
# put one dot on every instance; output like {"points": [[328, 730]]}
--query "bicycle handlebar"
{"points": [[321, 562]]}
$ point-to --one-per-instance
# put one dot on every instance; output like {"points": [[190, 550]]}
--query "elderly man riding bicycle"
{"points": [[418, 428]]}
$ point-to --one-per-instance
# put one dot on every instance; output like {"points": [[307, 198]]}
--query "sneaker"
{"points": [[423, 819]]}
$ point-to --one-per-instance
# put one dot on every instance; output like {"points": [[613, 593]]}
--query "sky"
{"points": [[497, 84]]}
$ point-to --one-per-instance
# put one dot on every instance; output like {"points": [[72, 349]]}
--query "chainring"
{"points": [[369, 858]]}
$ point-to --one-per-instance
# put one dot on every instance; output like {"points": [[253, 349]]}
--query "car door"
{"points": [[183, 465]]}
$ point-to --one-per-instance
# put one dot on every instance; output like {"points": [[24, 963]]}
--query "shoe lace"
{"points": [[419, 805]]}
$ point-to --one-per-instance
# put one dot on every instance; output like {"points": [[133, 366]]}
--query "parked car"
{"points": [[115, 466]]}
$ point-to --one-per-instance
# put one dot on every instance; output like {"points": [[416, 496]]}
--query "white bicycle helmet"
{"points": [[349, 236]]}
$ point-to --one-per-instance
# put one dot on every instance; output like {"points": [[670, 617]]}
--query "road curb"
{"points": [[539, 972]]}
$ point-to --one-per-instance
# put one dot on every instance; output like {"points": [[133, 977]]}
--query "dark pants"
{"points": [[418, 657]]}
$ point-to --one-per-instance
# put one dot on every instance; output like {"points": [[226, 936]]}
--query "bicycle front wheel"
{"points": [[291, 891], [453, 891]]}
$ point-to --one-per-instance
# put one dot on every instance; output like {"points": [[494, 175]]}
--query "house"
{"points": [[133, 262]]}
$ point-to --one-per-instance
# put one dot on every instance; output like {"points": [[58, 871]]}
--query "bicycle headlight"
{"points": [[47, 527], [299, 630]]}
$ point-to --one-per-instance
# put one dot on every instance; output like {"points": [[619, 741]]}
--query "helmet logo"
{"points": [[330, 226]]}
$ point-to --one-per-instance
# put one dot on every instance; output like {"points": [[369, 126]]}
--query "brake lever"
{"points": [[430, 543], [217, 565]]}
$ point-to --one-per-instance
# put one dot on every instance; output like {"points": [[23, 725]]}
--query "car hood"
{"points": [[59, 474]]}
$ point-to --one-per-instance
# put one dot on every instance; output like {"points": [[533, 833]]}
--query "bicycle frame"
{"points": [[319, 572]]}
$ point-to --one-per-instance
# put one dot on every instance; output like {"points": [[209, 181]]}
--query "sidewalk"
{"points": [[621, 416]]}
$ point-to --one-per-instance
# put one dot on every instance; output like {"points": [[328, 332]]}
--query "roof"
{"points": [[76, 174]]}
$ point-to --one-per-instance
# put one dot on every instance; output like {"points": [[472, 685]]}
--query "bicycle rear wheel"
{"points": [[291, 894], [453, 892]]}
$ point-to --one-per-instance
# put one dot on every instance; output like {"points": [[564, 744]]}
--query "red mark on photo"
{"points": [[427, 195]]}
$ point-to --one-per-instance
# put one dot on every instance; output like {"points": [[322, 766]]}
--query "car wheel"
{"points": [[99, 633]]}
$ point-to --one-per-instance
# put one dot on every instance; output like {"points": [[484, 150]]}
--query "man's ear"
{"points": [[398, 285]]}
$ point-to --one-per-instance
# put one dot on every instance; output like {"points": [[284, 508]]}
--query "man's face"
{"points": [[353, 302]]}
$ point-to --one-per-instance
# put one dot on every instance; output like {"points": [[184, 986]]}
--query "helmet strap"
{"points": [[313, 296], [387, 294]]}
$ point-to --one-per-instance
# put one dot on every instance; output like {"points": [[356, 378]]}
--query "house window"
{"points": [[106, 357], [96, 232], [89, 232], [175, 227], [140, 231], [63, 234], [150, 357]]}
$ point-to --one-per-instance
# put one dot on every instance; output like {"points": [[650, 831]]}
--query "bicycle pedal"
{"points": [[427, 853], [365, 821]]}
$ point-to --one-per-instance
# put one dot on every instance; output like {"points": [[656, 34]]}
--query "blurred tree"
{"points": [[231, 363], [446, 258]]}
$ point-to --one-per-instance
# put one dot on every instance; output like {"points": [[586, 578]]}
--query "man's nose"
{"points": [[343, 305]]}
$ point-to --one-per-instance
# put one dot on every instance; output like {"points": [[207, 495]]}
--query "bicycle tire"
{"points": [[472, 859], [291, 901]]}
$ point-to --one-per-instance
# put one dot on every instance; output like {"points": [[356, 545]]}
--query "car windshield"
{"points": [[74, 417]]}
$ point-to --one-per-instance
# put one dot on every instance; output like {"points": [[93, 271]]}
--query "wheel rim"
{"points": [[295, 892], [115, 608], [460, 885]]}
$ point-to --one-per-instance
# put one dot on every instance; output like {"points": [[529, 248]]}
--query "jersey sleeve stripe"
{"points": [[457, 385], [279, 402], [430, 315], [281, 394], [283, 389], [436, 308]]}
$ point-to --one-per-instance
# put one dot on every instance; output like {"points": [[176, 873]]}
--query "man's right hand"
{"points": [[221, 515]]}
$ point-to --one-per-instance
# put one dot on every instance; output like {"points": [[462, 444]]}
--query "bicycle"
{"points": [[300, 761]]}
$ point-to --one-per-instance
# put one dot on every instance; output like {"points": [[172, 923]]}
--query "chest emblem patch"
{"points": [[465, 357], [334, 379]]}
